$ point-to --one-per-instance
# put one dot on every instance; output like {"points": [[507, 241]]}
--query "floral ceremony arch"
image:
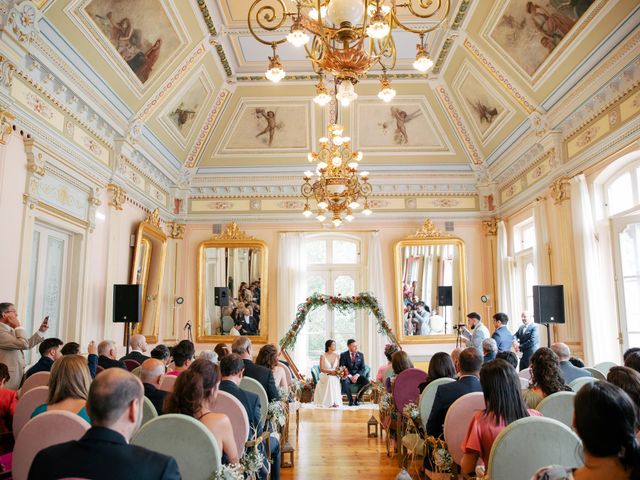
{"points": [[361, 301]]}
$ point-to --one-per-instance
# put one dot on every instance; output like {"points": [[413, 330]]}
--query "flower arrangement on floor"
{"points": [[303, 390], [276, 416], [364, 300], [411, 412], [440, 458]]}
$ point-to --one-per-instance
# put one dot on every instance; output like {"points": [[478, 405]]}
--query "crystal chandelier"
{"points": [[336, 185], [345, 38]]}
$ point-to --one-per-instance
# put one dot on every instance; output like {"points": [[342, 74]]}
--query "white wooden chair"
{"points": [[558, 406]]}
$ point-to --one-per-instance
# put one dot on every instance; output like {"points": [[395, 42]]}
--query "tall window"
{"points": [[524, 239], [333, 268]]}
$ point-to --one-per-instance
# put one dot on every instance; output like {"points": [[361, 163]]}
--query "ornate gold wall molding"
{"points": [[118, 196], [176, 230], [233, 232], [427, 230], [490, 227], [154, 218], [560, 190], [5, 125]]}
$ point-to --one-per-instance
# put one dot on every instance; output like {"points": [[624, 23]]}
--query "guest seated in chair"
{"points": [[509, 357], [628, 380], [489, 349], [400, 361], [268, 357], [242, 346], [569, 371], [632, 360], [73, 348], [222, 349], [49, 352], [183, 354], [162, 353], [440, 366], [103, 453], [68, 387], [389, 350], [605, 420], [138, 345], [194, 394], [107, 355], [232, 371], [504, 405], [151, 372], [546, 377], [8, 400]]}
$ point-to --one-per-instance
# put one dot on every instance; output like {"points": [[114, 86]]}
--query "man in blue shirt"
{"points": [[502, 335]]}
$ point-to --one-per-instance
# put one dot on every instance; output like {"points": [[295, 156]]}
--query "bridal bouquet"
{"points": [[342, 372]]}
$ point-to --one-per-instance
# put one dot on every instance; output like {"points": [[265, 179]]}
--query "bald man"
{"points": [[569, 371], [151, 373], [138, 346], [104, 453], [528, 339]]}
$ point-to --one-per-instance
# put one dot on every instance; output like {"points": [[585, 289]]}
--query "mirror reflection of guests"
{"points": [[417, 318], [248, 298], [328, 391], [353, 360]]}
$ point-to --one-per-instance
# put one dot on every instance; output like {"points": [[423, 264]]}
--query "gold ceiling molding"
{"points": [[507, 84], [428, 230], [176, 230], [560, 190], [118, 196], [153, 218], [233, 232], [6, 128], [490, 227], [212, 31]]}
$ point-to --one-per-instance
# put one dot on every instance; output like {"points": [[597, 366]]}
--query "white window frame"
{"points": [[523, 256]]}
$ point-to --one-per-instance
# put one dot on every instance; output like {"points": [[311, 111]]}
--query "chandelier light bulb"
{"points": [[313, 13], [353, 165], [364, 175], [366, 210], [422, 62], [323, 140], [337, 140], [358, 156], [349, 217], [322, 165], [320, 217], [307, 211], [336, 222], [310, 157], [346, 92], [371, 10], [308, 174], [336, 161], [386, 93], [322, 205], [297, 37], [275, 73], [354, 205], [322, 99], [346, 139], [378, 28], [341, 11]]}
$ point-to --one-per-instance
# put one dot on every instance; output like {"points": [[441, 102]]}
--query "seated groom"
{"points": [[353, 360], [103, 452]]}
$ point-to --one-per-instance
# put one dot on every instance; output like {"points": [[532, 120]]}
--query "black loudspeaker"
{"points": [[221, 296], [548, 304], [127, 303], [445, 298]]}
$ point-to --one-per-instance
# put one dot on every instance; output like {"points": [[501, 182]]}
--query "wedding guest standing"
{"points": [[480, 332], [527, 337], [502, 335]]}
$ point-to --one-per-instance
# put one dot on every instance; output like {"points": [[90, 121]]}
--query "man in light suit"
{"points": [[13, 341], [480, 332], [353, 360], [527, 336], [502, 335]]}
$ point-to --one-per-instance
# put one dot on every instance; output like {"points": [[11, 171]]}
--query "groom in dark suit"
{"points": [[353, 360]]}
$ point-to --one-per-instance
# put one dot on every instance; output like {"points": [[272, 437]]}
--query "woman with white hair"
{"points": [[209, 355]]}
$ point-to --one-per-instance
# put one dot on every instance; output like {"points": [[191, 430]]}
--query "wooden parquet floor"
{"points": [[333, 445]]}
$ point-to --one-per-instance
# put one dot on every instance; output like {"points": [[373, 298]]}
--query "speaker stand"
{"points": [[548, 335], [127, 334]]}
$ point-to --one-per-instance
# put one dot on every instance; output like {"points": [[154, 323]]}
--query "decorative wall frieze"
{"points": [[153, 218], [118, 196], [23, 21], [209, 123], [6, 72], [560, 190], [490, 227], [538, 169], [176, 230]]}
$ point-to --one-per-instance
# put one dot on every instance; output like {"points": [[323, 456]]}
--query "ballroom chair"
{"points": [[26, 405], [457, 420], [227, 323], [48, 428], [131, 364], [184, 438], [524, 383], [595, 373], [292, 405], [167, 383], [578, 383], [315, 374], [233, 409], [558, 406], [149, 411], [406, 390], [252, 385], [531, 443], [604, 367], [38, 379], [388, 373], [136, 371], [526, 374]]}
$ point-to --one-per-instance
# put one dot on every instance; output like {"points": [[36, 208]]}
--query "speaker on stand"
{"points": [[445, 299], [221, 298], [548, 306], [127, 307]]}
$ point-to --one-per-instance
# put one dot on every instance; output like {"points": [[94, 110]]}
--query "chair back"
{"points": [[315, 374], [99, 369], [548, 442], [406, 387], [49, 428], [38, 379], [526, 374], [254, 386], [388, 373], [595, 373], [227, 323], [235, 411], [26, 405], [558, 406], [580, 382], [604, 367], [167, 383], [524, 383], [457, 421], [136, 371], [149, 411], [131, 364], [184, 438], [425, 402], [287, 373]]}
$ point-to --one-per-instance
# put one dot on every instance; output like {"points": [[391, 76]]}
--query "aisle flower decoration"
{"points": [[231, 471], [342, 303], [411, 411], [276, 417]]}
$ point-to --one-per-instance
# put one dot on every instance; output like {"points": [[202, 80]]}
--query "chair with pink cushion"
{"points": [[167, 383], [38, 379], [233, 409], [457, 420], [26, 405], [406, 387], [48, 428]]}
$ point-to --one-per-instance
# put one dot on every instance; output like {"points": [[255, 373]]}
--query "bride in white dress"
{"points": [[328, 391]]}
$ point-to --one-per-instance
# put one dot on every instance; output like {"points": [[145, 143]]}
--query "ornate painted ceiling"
{"points": [[179, 85]]}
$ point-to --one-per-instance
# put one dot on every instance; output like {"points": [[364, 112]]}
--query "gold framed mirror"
{"points": [[232, 287], [430, 271], [148, 271]]}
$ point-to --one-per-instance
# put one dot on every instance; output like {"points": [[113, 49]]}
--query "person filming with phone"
{"points": [[13, 340]]}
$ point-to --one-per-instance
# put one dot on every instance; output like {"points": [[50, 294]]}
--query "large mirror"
{"points": [[232, 287], [148, 271], [430, 286]]}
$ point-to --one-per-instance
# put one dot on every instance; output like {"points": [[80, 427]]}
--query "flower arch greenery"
{"points": [[361, 301]]}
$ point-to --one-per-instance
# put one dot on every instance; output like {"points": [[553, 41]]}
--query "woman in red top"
{"points": [[8, 400], [504, 405]]}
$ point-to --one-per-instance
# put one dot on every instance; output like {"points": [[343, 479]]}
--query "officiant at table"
{"points": [[353, 360]]}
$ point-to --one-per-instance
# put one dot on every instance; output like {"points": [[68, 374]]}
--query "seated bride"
{"points": [[328, 391]]}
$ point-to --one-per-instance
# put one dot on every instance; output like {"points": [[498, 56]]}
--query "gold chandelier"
{"points": [[336, 184], [345, 38]]}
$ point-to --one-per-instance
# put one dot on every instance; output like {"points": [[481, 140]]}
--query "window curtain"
{"points": [[595, 325], [374, 280], [541, 246], [292, 288], [505, 276]]}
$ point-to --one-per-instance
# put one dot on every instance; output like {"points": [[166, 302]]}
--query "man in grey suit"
{"points": [[569, 372], [480, 332], [13, 341]]}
